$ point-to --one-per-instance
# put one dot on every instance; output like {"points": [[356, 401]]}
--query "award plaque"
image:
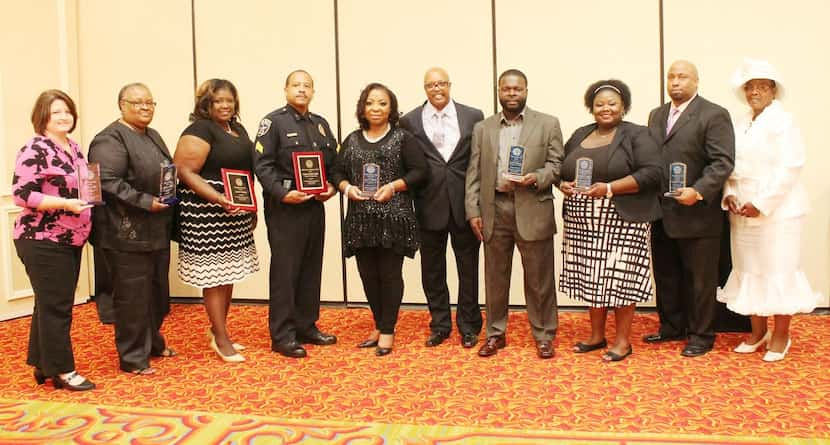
{"points": [[89, 184], [371, 180], [167, 184], [677, 179], [239, 188], [309, 172], [514, 163], [584, 171]]}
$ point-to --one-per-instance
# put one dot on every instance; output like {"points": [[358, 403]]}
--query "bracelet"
{"points": [[346, 191]]}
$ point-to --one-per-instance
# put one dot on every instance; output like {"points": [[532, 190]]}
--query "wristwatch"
{"points": [[608, 193]]}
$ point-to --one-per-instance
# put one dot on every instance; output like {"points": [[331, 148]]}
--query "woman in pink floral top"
{"points": [[49, 235]]}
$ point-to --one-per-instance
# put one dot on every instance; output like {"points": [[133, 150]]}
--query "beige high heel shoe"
{"points": [[745, 348], [236, 346], [233, 358]]}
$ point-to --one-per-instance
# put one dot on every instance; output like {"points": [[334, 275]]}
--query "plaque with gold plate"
{"points": [[309, 172], [239, 189]]}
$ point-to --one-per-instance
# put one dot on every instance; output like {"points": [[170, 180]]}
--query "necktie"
{"points": [[438, 130], [672, 120]]}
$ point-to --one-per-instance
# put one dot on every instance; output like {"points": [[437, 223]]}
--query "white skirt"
{"points": [[766, 277]]}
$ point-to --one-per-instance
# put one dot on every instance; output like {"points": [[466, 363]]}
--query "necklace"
{"points": [[227, 127]]}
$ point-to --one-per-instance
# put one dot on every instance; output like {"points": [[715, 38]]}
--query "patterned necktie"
{"points": [[438, 130], [672, 120]]}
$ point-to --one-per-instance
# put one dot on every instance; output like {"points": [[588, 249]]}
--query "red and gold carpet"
{"points": [[417, 395]]}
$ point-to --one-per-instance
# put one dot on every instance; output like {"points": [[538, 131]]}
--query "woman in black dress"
{"points": [[380, 227], [217, 243]]}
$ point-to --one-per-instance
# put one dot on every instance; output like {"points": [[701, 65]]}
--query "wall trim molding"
{"points": [[7, 252]]}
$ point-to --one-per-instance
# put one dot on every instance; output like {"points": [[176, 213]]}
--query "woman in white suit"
{"points": [[767, 203]]}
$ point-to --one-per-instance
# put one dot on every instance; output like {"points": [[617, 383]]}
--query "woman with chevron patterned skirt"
{"points": [[216, 247]]}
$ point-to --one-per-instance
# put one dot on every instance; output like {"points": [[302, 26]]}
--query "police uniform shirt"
{"points": [[281, 133]]}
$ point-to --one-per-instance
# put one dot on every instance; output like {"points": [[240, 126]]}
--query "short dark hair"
{"points": [[615, 85], [42, 111], [512, 72], [394, 116], [127, 87], [205, 95], [288, 77]]}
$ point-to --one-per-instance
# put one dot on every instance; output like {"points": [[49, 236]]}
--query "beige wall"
{"points": [[92, 47]]}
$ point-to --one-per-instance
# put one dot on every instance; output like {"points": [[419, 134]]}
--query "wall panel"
{"points": [[793, 37], [255, 46], [564, 46], [395, 46]]}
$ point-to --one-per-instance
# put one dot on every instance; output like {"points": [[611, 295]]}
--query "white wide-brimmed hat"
{"points": [[756, 69]]}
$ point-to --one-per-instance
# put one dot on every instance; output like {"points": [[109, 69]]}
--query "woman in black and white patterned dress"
{"points": [[217, 243], [605, 249]]}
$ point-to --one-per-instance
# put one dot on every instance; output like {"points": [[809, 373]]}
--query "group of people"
{"points": [[441, 171]]}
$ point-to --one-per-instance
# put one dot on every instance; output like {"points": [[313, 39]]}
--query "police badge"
{"points": [[264, 126]]}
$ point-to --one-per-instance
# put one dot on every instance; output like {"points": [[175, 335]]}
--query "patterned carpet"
{"points": [[443, 392]]}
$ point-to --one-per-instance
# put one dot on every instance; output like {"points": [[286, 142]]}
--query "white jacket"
{"points": [[769, 155]]}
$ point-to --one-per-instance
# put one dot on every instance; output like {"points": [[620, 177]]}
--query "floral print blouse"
{"points": [[44, 168]]}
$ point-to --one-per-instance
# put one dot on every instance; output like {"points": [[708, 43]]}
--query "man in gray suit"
{"points": [[445, 128], [516, 212], [686, 242]]}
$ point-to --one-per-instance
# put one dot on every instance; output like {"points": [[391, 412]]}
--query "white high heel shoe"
{"points": [[233, 358], [236, 346], [745, 348], [772, 356]]}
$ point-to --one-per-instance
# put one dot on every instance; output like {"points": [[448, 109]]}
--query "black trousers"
{"points": [[53, 272], [296, 235], [103, 286], [380, 271], [141, 300], [686, 276], [465, 246]]}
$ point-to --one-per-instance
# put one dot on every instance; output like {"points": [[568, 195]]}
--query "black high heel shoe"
{"points": [[380, 352], [60, 382], [40, 378], [368, 343]]}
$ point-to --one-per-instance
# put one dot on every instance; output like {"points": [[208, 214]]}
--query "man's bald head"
{"points": [[437, 86]]}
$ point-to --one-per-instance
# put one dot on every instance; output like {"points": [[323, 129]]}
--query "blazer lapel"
{"points": [[159, 144], [462, 124], [528, 126], [421, 133], [684, 118]]}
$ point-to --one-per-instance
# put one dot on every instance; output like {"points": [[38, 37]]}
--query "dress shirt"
{"points": [[508, 137], [680, 109], [448, 119]]}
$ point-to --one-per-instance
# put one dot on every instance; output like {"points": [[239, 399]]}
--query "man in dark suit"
{"points": [[506, 212], [686, 242], [446, 128]]}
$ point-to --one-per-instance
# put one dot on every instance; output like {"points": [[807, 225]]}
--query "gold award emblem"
{"points": [[309, 163], [238, 182], [321, 129]]}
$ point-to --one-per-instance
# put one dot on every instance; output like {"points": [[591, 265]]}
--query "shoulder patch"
{"points": [[264, 126]]}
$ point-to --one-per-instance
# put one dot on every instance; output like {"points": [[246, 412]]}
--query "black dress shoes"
{"points": [[436, 338], [544, 348], [492, 346], [317, 338], [40, 378], [380, 352], [291, 349], [661, 338], [469, 340], [695, 350]]}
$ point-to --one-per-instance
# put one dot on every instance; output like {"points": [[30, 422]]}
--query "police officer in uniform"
{"points": [[295, 220]]}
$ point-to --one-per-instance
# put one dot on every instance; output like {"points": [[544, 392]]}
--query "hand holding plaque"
{"points": [[167, 184], [515, 163], [89, 184], [309, 172], [239, 189], [584, 173], [371, 180], [677, 179]]}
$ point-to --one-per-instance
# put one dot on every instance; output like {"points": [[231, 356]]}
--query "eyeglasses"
{"points": [[138, 104], [434, 85], [759, 87]]}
